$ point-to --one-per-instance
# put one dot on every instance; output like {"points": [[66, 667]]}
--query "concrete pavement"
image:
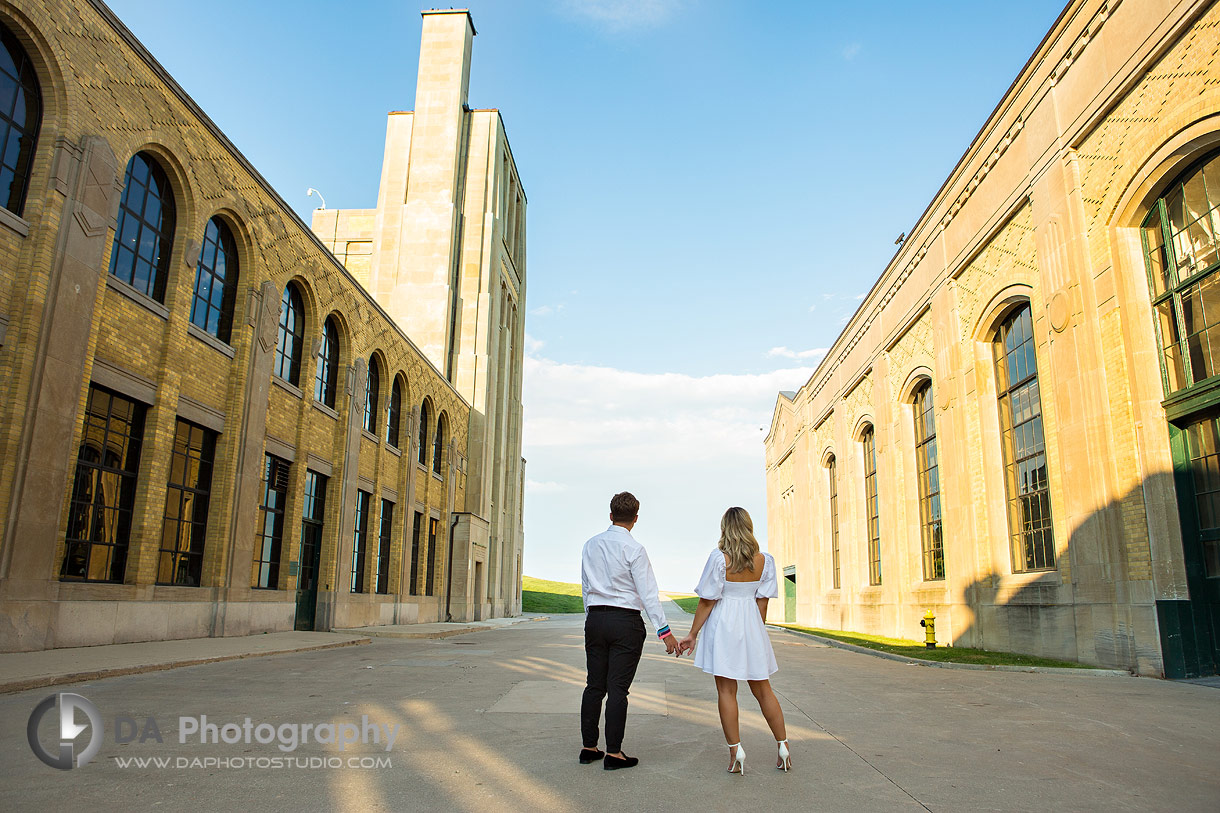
{"points": [[52, 667], [489, 722]]}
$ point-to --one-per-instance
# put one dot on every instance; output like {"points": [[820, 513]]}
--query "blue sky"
{"points": [[712, 188]]}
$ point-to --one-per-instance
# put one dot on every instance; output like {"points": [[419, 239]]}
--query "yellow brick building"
{"points": [[1017, 429], [208, 425]]}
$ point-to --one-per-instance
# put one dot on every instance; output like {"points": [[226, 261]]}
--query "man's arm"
{"points": [[584, 580], [646, 588]]}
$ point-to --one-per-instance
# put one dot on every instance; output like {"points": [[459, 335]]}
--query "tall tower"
{"points": [[444, 255]]}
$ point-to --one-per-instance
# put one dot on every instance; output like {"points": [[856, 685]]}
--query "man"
{"points": [[616, 584]]}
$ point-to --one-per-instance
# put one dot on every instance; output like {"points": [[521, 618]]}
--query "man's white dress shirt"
{"points": [[615, 571]]}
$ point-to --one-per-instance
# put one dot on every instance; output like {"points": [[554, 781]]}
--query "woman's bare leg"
{"points": [[726, 702], [761, 689]]}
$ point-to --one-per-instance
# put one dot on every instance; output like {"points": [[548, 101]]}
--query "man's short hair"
{"points": [[624, 507]]}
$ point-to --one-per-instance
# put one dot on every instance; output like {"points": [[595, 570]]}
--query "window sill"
{"points": [[143, 300], [17, 225], [370, 436], [394, 450], [1048, 576], [325, 410], [437, 477], [287, 386], [210, 340]]}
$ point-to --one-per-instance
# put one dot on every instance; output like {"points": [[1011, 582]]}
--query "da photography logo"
{"points": [[69, 730]]}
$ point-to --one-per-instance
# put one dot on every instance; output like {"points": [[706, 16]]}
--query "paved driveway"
{"points": [[488, 722]]}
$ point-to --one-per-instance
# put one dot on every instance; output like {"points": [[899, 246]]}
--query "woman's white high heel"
{"points": [[739, 759], [785, 757]]}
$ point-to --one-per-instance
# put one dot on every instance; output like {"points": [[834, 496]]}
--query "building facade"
{"points": [[208, 425], [444, 254], [1018, 428]]}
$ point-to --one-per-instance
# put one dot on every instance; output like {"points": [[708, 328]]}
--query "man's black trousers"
{"points": [[614, 641]]}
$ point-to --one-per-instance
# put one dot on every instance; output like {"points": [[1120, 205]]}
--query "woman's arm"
{"points": [[762, 606], [701, 613]]}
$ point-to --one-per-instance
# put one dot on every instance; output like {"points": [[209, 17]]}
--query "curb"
{"points": [[435, 634], [118, 671], [976, 667]]}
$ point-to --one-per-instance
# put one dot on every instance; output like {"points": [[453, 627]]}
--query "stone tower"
{"points": [[444, 254]]}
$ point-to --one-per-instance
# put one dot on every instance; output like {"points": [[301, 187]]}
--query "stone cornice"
{"points": [[905, 261]]}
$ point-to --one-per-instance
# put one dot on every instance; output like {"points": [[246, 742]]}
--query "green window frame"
{"points": [[1027, 481], [360, 541], [1179, 237], [417, 532], [868, 440], [187, 496], [312, 517], [270, 537], [102, 500], [932, 542], [832, 470], [383, 547]]}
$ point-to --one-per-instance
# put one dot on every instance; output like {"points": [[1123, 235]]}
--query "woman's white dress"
{"points": [[733, 642]]}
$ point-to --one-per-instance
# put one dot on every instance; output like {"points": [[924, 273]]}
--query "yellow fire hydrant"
{"points": [[929, 624]]}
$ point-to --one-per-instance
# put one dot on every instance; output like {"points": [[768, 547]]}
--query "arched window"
{"points": [[438, 444], [328, 365], [291, 336], [1029, 502], [215, 281], [372, 394], [393, 414], [425, 418], [872, 510], [20, 118], [145, 231], [832, 474], [1180, 249], [928, 468]]}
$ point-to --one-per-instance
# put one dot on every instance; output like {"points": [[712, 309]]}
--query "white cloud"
{"points": [[621, 15], [687, 446], [543, 310], [784, 352], [533, 345], [544, 487], [813, 308], [850, 51]]}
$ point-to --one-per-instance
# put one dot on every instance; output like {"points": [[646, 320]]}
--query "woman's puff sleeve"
{"points": [[711, 583], [768, 587]]}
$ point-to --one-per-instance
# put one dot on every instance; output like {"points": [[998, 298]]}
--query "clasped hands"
{"points": [[676, 647]]}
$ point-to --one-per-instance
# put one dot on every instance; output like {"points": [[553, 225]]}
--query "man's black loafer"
{"points": [[614, 763], [588, 755]]}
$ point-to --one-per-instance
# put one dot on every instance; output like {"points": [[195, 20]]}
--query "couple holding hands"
{"points": [[617, 582]]}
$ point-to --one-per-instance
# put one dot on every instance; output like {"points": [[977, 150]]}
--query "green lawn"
{"points": [[539, 596], [688, 604], [954, 654]]}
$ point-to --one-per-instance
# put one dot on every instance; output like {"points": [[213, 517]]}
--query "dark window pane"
{"points": [[103, 491], [216, 281]]}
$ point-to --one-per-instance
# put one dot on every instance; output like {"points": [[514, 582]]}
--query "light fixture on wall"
{"points": [[310, 192]]}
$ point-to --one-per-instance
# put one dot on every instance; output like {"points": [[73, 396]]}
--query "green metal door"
{"points": [[1190, 630], [307, 576], [790, 594]]}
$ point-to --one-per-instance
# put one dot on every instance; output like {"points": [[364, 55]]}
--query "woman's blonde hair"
{"points": [[737, 540]]}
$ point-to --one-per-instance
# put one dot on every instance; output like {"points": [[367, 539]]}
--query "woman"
{"points": [[737, 581]]}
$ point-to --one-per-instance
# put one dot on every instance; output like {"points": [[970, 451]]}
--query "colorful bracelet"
{"points": [[663, 631]]}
